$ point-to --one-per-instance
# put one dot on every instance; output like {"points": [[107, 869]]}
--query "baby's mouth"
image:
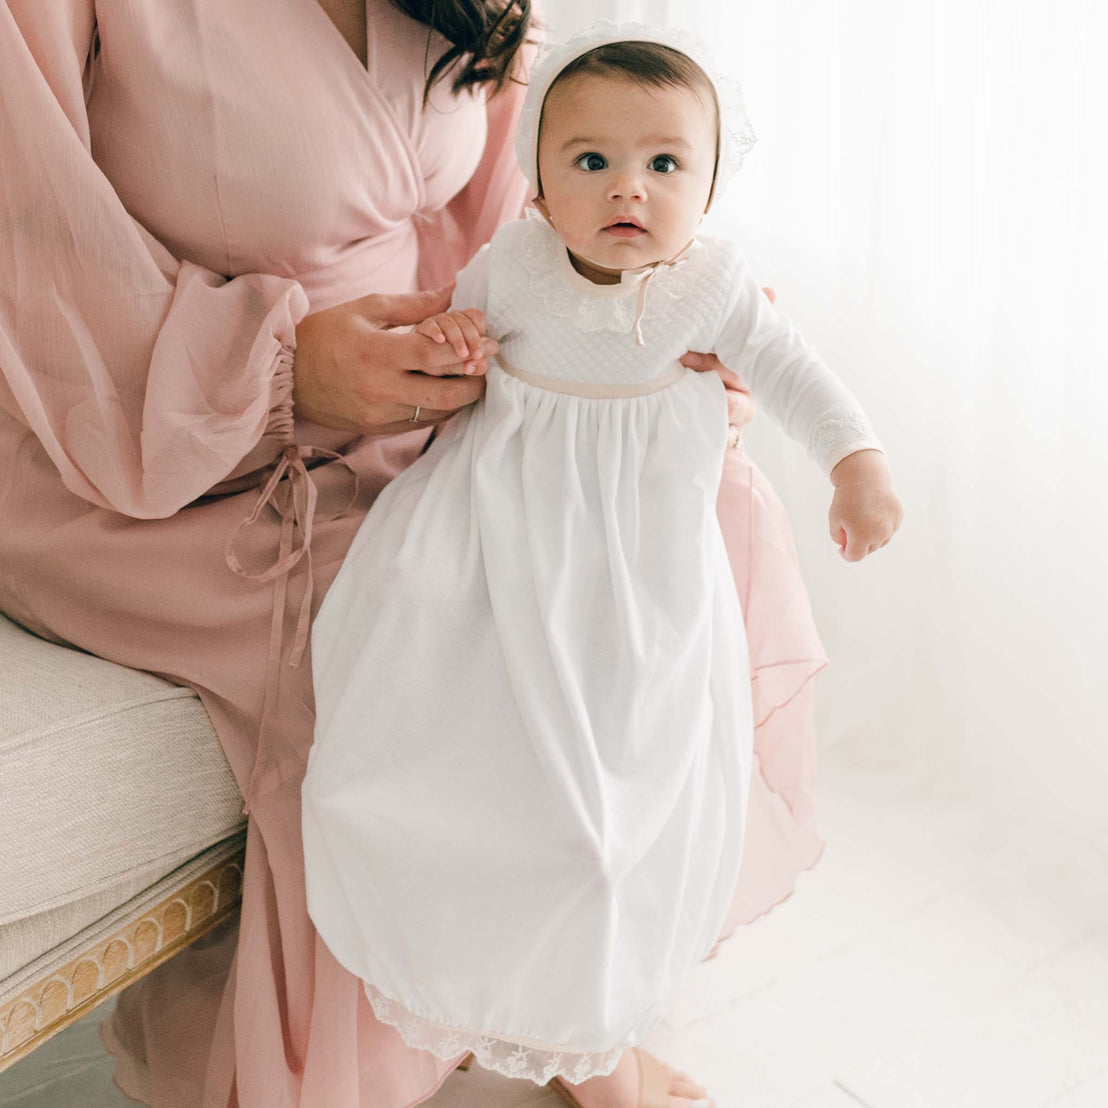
{"points": [[625, 228]]}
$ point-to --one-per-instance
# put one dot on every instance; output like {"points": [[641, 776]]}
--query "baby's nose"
{"points": [[626, 185]]}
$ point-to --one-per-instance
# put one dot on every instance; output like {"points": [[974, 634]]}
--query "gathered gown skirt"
{"points": [[525, 805]]}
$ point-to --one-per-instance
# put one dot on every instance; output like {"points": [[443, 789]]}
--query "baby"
{"points": [[601, 244], [526, 863]]}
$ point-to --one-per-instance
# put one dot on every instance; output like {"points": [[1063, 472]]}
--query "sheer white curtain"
{"points": [[929, 197]]}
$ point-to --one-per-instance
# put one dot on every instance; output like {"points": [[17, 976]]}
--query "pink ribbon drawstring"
{"points": [[297, 514]]}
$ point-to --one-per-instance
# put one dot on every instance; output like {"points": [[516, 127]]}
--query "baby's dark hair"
{"points": [[650, 65]]}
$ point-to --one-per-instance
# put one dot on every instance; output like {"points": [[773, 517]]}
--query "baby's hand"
{"points": [[463, 330], [865, 512]]}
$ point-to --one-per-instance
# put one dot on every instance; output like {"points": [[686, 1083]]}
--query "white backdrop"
{"points": [[928, 197]]}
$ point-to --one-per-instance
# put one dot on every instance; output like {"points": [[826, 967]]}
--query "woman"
{"points": [[210, 211]]}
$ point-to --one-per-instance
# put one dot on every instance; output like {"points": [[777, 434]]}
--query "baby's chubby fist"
{"points": [[865, 511], [464, 331]]}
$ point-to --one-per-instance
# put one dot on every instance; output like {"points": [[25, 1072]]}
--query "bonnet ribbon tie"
{"points": [[640, 299], [297, 514]]}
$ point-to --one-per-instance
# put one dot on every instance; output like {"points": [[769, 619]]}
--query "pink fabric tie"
{"points": [[640, 300], [297, 514]]}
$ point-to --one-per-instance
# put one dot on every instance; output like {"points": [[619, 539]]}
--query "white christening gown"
{"points": [[523, 811]]}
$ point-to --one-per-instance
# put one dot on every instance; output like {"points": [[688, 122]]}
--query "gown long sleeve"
{"points": [[805, 396]]}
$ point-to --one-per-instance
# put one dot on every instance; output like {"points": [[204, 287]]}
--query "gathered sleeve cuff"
{"points": [[280, 422], [148, 380], [278, 431]]}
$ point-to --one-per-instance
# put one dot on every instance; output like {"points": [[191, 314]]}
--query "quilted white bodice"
{"points": [[551, 321]]}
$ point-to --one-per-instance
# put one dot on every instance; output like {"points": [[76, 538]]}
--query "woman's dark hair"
{"points": [[487, 34]]}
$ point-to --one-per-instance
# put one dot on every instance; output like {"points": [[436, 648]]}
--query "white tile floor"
{"points": [[936, 957]]}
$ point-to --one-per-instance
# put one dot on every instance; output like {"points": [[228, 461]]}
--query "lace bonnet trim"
{"points": [[736, 135]]}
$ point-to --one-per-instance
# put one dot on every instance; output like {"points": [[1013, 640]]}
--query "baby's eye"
{"points": [[591, 162], [663, 163]]}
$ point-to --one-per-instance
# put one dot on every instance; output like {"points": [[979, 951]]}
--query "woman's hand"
{"points": [[740, 404], [352, 373], [865, 512]]}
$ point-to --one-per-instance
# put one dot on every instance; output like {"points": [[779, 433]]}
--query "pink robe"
{"points": [[183, 181]]}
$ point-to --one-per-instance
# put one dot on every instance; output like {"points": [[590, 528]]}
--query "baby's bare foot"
{"points": [[620, 1088]]}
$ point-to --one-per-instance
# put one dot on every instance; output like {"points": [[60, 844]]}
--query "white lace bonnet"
{"points": [[736, 135]]}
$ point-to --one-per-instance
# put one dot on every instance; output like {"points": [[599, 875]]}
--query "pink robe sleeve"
{"points": [[496, 193], [146, 379]]}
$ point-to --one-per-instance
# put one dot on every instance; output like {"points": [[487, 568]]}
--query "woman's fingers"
{"points": [[414, 352], [442, 394], [740, 407], [353, 374], [430, 328], [403, 418], [704, 363], [410, 370], [740, 404], [396, 309]]}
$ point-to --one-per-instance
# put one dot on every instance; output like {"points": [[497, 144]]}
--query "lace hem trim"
{"points": [[505, 1056]]}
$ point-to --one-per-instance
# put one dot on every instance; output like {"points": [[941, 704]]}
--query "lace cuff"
{"points": [[833, 439]]}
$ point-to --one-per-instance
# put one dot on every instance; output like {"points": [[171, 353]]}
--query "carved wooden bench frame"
{"points": [[110, 964]]}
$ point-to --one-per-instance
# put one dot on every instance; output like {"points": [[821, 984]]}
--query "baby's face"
{"points": [[626, 171]]}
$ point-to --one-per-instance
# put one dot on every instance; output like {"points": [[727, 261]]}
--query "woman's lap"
{"points": [[158, 595]]}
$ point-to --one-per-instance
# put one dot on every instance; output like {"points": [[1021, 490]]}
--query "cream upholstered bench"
{"points": [[121, 832]]}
